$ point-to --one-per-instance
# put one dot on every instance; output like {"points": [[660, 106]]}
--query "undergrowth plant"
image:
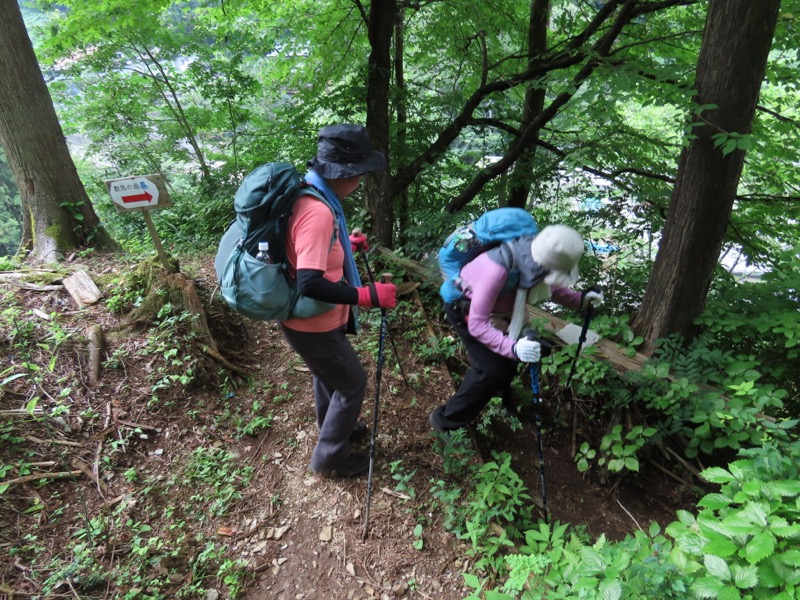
{"points": [[741, 544]]}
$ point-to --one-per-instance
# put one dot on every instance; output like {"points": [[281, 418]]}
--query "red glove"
{"points": [[358, 241], [382, 295]]}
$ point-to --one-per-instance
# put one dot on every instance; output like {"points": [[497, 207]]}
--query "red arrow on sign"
{"points": [[143, 197]]}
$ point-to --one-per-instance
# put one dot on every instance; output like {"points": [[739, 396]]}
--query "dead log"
{"points": [[82, 289], [96, 350]]}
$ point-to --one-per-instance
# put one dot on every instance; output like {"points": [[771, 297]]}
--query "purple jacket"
{"points": [[483, 280]]}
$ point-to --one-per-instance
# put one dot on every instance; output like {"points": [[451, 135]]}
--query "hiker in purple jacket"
{"points": [[490, 315]]}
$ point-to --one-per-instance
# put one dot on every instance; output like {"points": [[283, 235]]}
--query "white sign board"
{"points": [[140, 192]]}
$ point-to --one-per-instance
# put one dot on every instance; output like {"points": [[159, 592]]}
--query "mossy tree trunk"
{"points": [[57, 214]]}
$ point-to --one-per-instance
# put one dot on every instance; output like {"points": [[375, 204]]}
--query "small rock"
{"points": [[327, 534], [279, 531], [212, 594], [351, 569], [400, 589], [61, 422]]}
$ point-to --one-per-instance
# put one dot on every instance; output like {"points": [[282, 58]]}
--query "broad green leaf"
{"points": [[785, 487], [759, 548], [790, 557], [492, 595], [707, 587], [471, 580], [610, 590], [716, 475], [744, 576], [717, 567], [756, 512], [720, 546], [738, 524], [592, 559], [729, 592], [714, 501]]}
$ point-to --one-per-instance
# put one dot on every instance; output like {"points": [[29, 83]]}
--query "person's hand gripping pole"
{"points": [[358, 243]]}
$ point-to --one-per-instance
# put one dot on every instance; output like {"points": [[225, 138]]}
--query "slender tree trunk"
{"points": [[175, 107], [521, 177], [58, 214], [401, 110], [730, 71], [383, 15]]}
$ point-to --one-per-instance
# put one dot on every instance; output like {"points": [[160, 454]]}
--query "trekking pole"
{"points": [[537, 403], [581, 339], [388, 333], [387, 278]]}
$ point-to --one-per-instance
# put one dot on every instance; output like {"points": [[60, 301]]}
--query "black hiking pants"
{"points": [[488, 376]]}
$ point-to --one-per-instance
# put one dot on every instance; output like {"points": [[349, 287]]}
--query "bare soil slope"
{"points": [[206, 484]]}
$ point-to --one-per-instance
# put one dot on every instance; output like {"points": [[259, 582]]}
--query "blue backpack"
{"points": [[259, 290], [468, 241]]}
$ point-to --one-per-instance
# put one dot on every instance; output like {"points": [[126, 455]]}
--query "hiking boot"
{"points": [[434, 425], [359, 432], [356, 463]]}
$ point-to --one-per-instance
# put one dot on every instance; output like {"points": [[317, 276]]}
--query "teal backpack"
{"points": [[259, 290], [476, 237]]}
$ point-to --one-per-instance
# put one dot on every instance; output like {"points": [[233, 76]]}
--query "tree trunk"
{"points": [[401, 112], [730, 70], [522, 175], [58, 214], [383, 15]]}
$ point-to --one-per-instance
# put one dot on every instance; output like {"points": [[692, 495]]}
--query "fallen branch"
{"points": [[141, 426], [84, 468], [21, 412], [669, 473], [36, 440], [629, 514], [693, 470], [38, 476], [96, 346]]}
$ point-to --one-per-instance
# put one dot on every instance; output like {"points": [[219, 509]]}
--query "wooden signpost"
{"points": [[142, 193]]}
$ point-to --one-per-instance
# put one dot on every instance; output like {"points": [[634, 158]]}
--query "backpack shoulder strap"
{"points": [[308, 189]]}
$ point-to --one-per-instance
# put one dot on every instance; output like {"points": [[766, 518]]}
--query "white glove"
{"points": [[592, 297], [528, 351]]}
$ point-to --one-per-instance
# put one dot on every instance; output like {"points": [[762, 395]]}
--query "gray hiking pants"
{"points": [[339, 385]]}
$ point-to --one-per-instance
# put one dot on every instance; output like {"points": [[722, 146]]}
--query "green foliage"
{"points": [[743, 541], [617, 453], [494, 413], [403, 479]]}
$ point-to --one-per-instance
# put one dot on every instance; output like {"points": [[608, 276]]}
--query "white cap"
{"points": [[558, 249], [263, 246]]}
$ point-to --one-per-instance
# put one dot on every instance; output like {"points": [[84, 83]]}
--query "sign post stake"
{"points": [[156, 241]]}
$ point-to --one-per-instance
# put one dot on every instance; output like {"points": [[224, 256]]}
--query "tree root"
{"points": [[162, 288]]}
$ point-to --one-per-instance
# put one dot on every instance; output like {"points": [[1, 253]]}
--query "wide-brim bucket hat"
{"points": [[345, 150]]}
